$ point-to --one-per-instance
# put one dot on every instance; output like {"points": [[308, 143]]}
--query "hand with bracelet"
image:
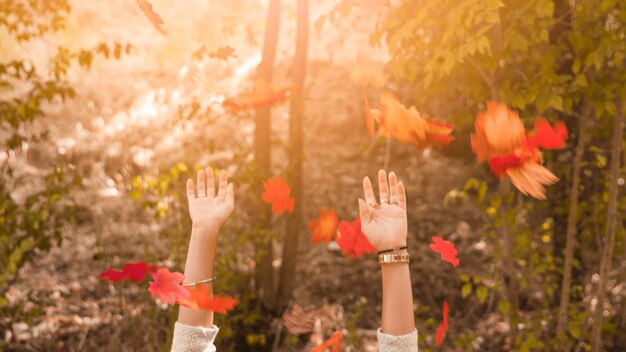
{"points": [[209, 209], [385, 225]]}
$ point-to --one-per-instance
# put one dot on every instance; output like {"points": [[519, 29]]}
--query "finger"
{"points": [[370, 197], [393, 187], [383, 187], [200, 181], [401, 195], [364, 212], [210, 182], [221, 193], [190, 191], [230, 194]]}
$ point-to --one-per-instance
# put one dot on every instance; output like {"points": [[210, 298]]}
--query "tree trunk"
{"points": [[570, 237], [264, 276], [296, 154], [510, 278], [610, 228]]}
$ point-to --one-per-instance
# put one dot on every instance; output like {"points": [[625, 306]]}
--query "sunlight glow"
{"points": [[248, 65]]}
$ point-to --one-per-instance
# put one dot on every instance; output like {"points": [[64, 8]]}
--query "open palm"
{"points": [[205, 207], [384, 224]]}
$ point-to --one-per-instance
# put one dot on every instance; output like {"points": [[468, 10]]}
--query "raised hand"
{"points": [[384, 223], [208, 210]]}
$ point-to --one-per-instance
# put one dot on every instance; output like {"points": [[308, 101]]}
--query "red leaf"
{"points": [[352, 240], [166, 286], [546, 136], [443, 327], [325, 228], [199, 298], [333, 343], [222, 53], [499, 164], [146, 8], [446, 249], [135, 272], [277, 194]]}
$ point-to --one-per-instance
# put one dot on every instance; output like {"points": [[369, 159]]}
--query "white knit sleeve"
{"points": [[193, 338], [402, 343]]}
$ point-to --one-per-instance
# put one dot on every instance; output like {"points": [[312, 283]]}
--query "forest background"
{"points": [[103, 117]]}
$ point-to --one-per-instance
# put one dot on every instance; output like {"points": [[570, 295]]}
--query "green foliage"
{"points": [[34, 206], [541, 57]]}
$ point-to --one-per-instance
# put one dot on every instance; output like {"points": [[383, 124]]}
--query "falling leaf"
{"points": [[155, 19], [511, 151], [498, 131], [277, 195], [222, 53], [367, 72], [352, 240], [325, 228], [446, 249], [299, 321], [198, 298], [166, 286], [408, 126], [333, 344], [546, 136], [262, 95], [135, 272], [530, 179], [443, 327]]}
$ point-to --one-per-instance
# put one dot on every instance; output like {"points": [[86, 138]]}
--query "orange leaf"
{"points": [[277, 194], [501, 138], [222, 53], [135, 272], [446, 249], [530, 179], [199, 298], [325, 228], [263, 95], [153, 17], [334, 344], [499, 131], [407, 125], [352, 240], [443, 327]]}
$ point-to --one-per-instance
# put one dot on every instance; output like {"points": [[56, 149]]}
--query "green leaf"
{"points": [[504, 306], [466, 290], [464, 277], [481, 293], [556, 102]]}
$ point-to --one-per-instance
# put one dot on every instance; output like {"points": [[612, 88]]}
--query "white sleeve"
{"points": [[402, 343], [193, 338]]}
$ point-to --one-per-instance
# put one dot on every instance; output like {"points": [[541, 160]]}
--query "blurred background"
{"points": [[103, 116]]}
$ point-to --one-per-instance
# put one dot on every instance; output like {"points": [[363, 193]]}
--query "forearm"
{"points": [[199, 266], [397, 315]]}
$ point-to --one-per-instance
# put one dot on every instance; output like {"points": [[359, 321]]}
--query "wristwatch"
{"points": [[390, 258]]}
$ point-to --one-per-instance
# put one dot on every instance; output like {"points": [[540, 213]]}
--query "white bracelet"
{"points": [[196, 283]]}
